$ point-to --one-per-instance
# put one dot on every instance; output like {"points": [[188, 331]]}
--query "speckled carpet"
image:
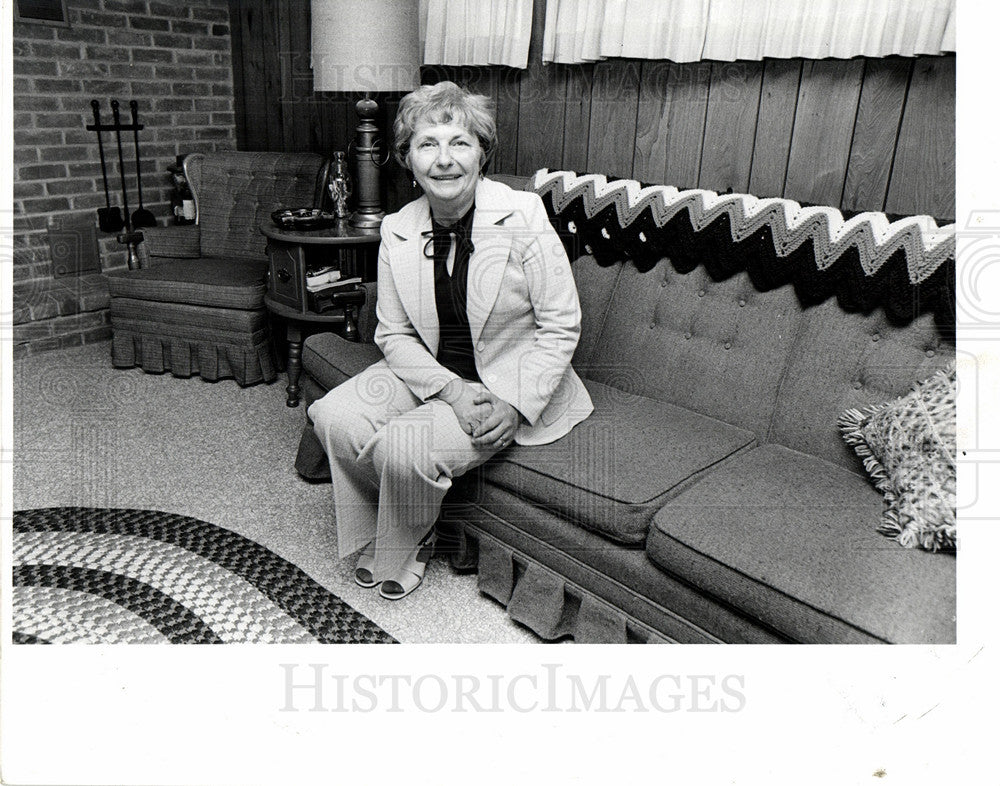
{"points": [[90, 436], [118, 576]]}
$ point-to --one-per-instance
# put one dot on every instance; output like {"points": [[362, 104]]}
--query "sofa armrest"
{"points": [[366, 314], [177, 242]]}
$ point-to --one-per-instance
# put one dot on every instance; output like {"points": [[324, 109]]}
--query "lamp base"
{"points": [[369, 213], [366, 220]]}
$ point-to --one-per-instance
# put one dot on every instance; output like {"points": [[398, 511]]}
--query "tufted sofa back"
{"points": [[757, 360], [717, 348], [840, 361], [235, 191]]}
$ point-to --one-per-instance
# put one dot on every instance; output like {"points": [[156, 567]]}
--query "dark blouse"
{"points": [[455, 351]]}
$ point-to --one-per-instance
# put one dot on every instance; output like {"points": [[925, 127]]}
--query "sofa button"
{"points": [[701, 293], [875, 336], [481, 346], [687, 335], [652, 324], [930, 353], [663, 283], [856, 385], [742, 302], [728, 345]]}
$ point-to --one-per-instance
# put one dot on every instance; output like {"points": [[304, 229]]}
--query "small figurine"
{"points": [[339, 184]]}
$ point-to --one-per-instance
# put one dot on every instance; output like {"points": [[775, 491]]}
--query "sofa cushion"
{"points": [[331, 359], [614, 470], [790, 540], [209, 281], [908, 447], [842, 361], [715, 347]]}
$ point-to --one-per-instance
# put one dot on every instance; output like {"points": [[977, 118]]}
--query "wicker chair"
{"points": [[196, 303]]}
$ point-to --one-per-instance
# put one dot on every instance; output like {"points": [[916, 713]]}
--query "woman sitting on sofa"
{"points": [[478, 319]]}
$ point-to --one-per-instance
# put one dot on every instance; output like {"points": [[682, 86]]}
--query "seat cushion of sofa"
{"points": [[614, 470], [331, 359], [208, 281], [790, 539]]}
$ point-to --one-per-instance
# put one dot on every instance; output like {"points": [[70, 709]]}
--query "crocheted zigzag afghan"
{"points": [[906, 266]]}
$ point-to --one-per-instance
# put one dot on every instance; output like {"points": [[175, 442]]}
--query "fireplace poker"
{"points": [[121, 161], [129, 238]]}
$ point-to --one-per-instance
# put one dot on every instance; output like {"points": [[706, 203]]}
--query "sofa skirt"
{"points": [[562, 580], [552, 607]]}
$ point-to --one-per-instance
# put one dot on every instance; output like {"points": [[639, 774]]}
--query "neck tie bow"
{"points": [[440, 236]]}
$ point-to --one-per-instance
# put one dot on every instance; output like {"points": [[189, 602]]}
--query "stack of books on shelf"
{"points": [[324, 284]]}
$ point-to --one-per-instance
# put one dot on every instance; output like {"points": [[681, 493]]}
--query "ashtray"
{"points": [[303, 219]]}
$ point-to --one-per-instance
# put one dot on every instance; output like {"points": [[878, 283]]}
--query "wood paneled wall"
{"points": [[861, 134]]}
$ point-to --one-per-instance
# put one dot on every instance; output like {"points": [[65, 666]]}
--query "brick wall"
{"points": [[175, 60]]}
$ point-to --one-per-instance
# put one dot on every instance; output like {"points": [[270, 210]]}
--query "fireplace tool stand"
{"points": [[109, 219]]}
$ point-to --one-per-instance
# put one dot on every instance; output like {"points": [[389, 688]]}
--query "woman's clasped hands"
{"points": [[484, 416]]}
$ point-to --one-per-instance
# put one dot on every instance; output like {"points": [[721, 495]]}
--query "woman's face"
{"points": [[445, 160]]}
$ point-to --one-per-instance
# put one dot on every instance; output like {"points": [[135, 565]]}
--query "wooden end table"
{"points": [[301, 324], [290, 254]]}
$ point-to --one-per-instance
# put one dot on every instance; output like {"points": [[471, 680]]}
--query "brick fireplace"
{"points": [[175, 60]]}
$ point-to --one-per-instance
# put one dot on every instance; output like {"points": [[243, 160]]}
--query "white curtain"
{"points": [[689, 30], [755, 29], [476, 32], [579, 31]]}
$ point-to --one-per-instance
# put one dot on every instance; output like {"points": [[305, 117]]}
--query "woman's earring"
{"points": [[414, 183]]}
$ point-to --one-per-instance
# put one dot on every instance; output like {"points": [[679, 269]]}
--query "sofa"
{"points": [[710, 497]]}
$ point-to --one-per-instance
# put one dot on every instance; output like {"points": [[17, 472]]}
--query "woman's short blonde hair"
{"points": [[445, 102]]}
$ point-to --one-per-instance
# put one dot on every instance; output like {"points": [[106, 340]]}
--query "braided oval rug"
{"points": [[114, 576]]}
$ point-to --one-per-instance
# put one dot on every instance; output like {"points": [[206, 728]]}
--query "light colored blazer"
{"points": [[523, 308]]}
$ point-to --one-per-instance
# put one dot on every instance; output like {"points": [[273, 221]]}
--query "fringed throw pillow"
{"points": [[908, 447]]}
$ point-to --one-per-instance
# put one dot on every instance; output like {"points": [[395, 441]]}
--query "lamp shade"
{"points": [[370, 46]]}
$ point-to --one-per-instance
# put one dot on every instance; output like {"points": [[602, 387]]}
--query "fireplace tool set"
{"points": [[112, 218]]}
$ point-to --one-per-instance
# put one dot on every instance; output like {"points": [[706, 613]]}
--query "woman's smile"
{"points": [[445, 159]]}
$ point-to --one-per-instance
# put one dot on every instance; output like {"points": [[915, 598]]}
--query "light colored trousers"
{"points": [[392, 459]]}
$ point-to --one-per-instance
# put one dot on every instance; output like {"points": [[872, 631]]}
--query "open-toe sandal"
{"points": [[363, 575], [411, 573]]}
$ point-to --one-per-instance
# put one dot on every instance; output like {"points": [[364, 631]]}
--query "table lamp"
{"points": [[369, 47]]}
